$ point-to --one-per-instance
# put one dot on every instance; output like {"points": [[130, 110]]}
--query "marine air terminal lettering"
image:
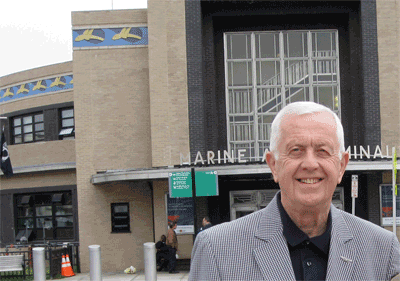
{"points": [[224, 157]]}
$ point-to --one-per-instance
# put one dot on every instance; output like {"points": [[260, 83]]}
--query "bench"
{"points": [[12, 263]]}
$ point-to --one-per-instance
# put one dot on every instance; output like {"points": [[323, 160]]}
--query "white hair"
{"points": [[301, 108]]}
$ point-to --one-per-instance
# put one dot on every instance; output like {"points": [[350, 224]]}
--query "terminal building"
{"points": [[188, 85]]}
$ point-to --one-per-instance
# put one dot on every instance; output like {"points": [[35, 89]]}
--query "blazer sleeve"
{"points": [[203, 265], [394, 262]]}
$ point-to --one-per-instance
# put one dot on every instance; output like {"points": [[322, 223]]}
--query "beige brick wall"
{"points": [[119, 250], [112, 112], [168, 81], [41, 179], [32, 74], [39, 153], [388, 13]]}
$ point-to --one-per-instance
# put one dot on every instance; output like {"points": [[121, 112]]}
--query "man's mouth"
{"points": [[309, 181]]}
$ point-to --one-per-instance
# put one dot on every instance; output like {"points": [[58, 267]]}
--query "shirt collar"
{"points": [[295, 236]]}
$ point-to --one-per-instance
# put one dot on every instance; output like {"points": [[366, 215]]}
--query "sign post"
{"points": [[394, 188], [354, 193]]}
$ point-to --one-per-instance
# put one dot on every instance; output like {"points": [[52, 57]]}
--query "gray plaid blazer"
{"points": [[254, 248]]}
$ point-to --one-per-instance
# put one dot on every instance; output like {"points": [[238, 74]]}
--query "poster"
{"points": [[386, 195], [181, 210]]}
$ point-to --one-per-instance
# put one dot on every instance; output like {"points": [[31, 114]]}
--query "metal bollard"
{"points": [[39, 264], [150, 267], [95, 262]]}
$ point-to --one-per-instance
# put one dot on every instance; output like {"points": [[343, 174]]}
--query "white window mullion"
{"points": [[255, 105], [310, 66], [282, 66], [227, 99]]}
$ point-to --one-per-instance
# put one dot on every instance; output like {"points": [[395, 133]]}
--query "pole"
{"points": [[194, 203], [39, 266], [150, 267], [394, 191], [95, 262]]}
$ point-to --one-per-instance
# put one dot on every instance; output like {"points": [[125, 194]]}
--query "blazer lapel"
{"points": [[271, 252], [342, 252]]}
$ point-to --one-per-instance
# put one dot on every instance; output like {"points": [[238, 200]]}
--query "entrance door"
{"points": [[245, 202]]}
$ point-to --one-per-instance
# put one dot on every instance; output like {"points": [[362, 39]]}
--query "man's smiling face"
{"points": [[308, 166]]}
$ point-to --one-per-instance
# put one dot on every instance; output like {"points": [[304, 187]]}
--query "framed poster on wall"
{"points": [[181, 210], [386, 202]]}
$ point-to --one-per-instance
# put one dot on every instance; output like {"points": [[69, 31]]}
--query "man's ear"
{"points": [[271, 161], [343, 164]]}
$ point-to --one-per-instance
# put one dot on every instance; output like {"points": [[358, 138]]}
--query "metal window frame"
{"points": [[34, 131], [255, 143]]}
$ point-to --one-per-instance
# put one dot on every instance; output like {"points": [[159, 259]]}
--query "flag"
{"points": [[5, 157]]}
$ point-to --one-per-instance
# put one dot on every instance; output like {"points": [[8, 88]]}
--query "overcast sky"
{"points": [[36, 33]]}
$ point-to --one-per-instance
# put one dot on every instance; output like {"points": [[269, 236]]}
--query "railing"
{"points": [[53, 256]]}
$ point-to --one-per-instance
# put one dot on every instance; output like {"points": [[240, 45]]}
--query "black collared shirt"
{"points": [[309, 255]]}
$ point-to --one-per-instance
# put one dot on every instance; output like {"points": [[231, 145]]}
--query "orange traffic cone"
{"points": [[68, 268], [63, 266]]}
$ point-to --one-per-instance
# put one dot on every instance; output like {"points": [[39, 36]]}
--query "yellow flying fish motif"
{"points": [[87, 35], [39, 86], [124, 34], [8, 93], [57, 82], [72, 81], [22, 89]]}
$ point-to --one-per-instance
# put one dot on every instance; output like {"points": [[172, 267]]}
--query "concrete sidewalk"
{"points": [[120, 276]]}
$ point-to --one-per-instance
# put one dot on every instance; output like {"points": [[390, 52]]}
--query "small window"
{"points": [[28, 128], [120, 220], [67, 126]]}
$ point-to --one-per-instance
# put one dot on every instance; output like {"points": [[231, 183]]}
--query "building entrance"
{"points": [[245, 202]]}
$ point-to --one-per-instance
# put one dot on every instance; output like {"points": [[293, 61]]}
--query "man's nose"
{"points": [[310, 161]]}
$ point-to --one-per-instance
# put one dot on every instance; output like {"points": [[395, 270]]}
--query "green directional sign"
{"points": [[180, 184], [206, 183]]}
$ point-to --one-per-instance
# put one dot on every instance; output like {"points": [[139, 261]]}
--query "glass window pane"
{"points": [[240, 101], [64, 210], [27, 120], [17, 122], [240, 73], [44, 223], [239, 46], [120, 209], [28, 129], [325, 96], [17, 131], [67, 113], [23, 223], [39, 136], [68, 122], [17, 139], [64, 221], [295, 44], [268, 73], [39, 127], [294, 94], [25, 211], [323, 44], [296, 72], [267, 45], [28, 137], [44, 211], [39, 118]]}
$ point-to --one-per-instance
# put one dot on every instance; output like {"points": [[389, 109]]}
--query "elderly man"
{"points": [[300, 235]]}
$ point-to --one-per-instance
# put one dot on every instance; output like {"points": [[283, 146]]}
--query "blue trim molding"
{"points": [[104, 37], [49, 85]]}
